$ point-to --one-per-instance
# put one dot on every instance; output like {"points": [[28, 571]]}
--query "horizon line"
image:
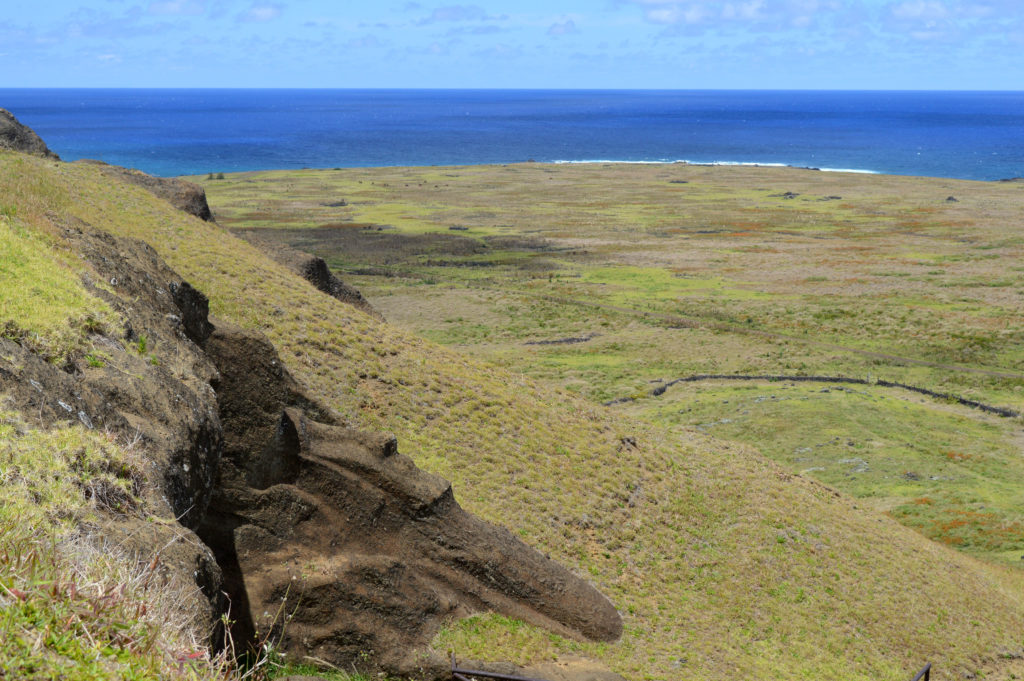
{"points": [[507, 89]]}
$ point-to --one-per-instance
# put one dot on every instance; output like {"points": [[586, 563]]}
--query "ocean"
{"points": [[968, 135]]}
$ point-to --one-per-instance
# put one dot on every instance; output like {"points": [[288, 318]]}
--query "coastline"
{"points": [[746, 164], [725, 166]]}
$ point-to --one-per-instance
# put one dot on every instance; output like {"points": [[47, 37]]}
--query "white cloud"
{"points": [[762, 14], [260, 12], [928, 36], [434, 49], [484, 29], [177, 7], [455, 13], [500, 51], [86, 23], [368, 42], [743, 11], [920, 9]]}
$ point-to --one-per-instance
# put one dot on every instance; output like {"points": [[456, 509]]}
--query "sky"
{"points": [[613, 44]]}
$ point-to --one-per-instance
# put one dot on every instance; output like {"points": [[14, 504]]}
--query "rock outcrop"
{"points": [[18, 137], [314, 270], [324, 538], [181, 194]]}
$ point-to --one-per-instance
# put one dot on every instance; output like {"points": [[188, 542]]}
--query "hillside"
{"points": [[720, 562]]}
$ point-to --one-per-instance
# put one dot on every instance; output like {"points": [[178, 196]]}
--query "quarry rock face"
{"points": [[18, 137], [157, 378], [314, 270], [342, 547]]}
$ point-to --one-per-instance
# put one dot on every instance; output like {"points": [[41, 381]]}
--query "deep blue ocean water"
{"points": [[971, 135]]}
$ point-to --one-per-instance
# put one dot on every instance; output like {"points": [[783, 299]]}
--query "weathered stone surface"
{"points": [[367, 554], [155, 376], [300, 519], [152, 389], [315, 271]]}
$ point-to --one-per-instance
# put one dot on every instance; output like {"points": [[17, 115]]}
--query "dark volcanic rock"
{"points": [[195, 311], [315, 271], [156, 376], [181, 194], [261, 493], [18, 137]]}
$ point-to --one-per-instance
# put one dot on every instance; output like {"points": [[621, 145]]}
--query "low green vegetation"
{"points": [[277, 669], [474, 636], [628, 280], [929, 464]]}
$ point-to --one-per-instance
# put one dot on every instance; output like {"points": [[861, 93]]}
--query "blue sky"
{"points": [[777, 44]]}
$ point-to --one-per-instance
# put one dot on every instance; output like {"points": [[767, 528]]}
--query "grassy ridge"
{"points": [[72, 606], [721, 562], [44, 306]]}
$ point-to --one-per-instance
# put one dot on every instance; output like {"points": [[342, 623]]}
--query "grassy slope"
{"points": [[72, 605], [721, 563], [774, 284]]}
